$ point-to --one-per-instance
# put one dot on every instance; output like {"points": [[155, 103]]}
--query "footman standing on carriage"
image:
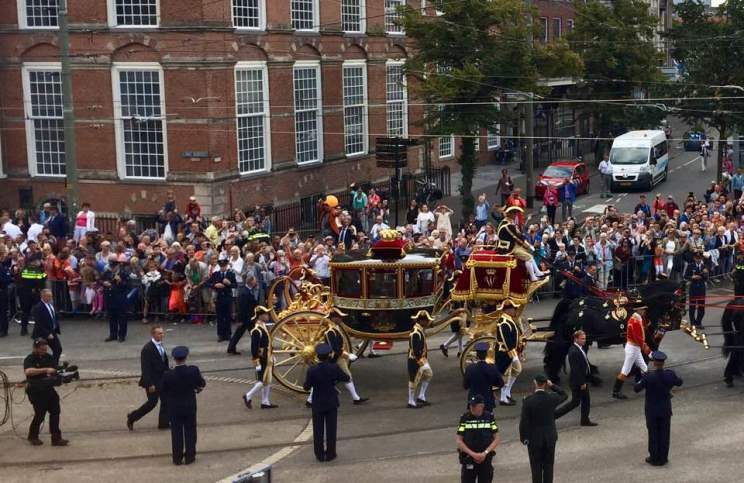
{"points": [[511, 241], [635, 348], [262, 359], [658, 385], [419, 370], [482, 377]]}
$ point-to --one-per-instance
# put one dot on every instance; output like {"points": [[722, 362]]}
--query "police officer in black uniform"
{"points": [[658, 385], [41, 371], [179, 388], [322, 379], [482, 377], [477, 439], [115, 293], [223, 281], [697, 275], [33, 280], [5, 280]]}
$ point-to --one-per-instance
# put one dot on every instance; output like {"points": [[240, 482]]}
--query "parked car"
{"points": [[694, 140], [556, 175]]}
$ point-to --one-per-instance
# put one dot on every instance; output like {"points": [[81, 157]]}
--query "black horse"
{"points": [[602, 323], [732, 326]]}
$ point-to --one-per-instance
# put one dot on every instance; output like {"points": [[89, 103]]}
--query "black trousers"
{"points": [[578, 397], [659, 428], [239, 332], [324, 425], [46, 401], [477, 473], [697, 309], [4, 311], [223, 319], [551, 213], [28, 298], [734, 364], [117, 323], [56, 347], [183, 436], [149, 405], [542, 456]]}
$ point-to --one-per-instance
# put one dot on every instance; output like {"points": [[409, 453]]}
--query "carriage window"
{"points": [[382, 284], [419, 282], [348, 283]]}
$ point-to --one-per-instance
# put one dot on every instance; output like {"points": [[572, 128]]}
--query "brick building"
{"points": [[238, 102]]}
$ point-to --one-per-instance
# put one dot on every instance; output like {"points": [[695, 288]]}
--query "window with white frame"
{"points": [[252, 107], [544, 26], [37, 14], [392, 16], [446, 147], [42, 96], [304, 14], [557, 28], [352, 16], [355, 107], [396, 99], [308, 114], [570, 23], [134, 13], [249, 14], [493, 139], [477, 143], [140, 112]]}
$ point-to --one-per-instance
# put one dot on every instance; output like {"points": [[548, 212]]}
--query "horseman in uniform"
{"points": [[512, 242], [419, 370], [635, 346]]}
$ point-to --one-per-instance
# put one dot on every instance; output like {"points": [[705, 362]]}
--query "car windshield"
{"points": [[557, 172], [629, 155]]}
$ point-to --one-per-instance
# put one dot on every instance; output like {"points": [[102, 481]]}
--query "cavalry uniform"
{"points": [[419, 370], [635, 348], [262, 359], [512, 242]]}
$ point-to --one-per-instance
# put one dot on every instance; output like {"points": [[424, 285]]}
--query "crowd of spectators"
{"points": [[167, 267]]}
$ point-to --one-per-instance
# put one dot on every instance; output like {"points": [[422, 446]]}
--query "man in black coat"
{"points": [[248, 296], [697, 275], [115, 290], [481, 378], [537, 427], [154, 363], [658, 385], [322, 379], [47, 325], [578, 380], [346, 234], [179, 389], [223, 281]]}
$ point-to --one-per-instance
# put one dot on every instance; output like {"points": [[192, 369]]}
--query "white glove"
{"points": [[426, 366], [258, 367], [352, 357]]}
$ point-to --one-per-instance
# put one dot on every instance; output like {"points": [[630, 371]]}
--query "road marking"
{"points": [[599, 209], [4, 358], [274, 458]]}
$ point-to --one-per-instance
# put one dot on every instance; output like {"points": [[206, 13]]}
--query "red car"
{"points": [[556, 174]]}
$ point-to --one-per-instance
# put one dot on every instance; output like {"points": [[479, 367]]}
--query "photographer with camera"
{"points": [[41, 377]]}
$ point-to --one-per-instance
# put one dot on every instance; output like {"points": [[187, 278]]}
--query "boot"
{"points": [[617, 390], [57, 440]]}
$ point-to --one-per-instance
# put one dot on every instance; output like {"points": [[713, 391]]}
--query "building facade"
{"points": [[238, 102]]}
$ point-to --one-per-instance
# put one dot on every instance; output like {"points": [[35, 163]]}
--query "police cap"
{"points": [[180, 352], [476, 399], [222, 261], [541, 379], [658, 356], [40, 341], [481, 346], [323, 349]]}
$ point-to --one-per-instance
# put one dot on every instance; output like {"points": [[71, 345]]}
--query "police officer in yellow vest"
{"points": [[511, 241], [419, 370], [33, 280], [262, 359]]}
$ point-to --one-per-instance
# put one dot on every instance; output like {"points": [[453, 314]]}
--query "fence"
{"points": [[110, 223]]}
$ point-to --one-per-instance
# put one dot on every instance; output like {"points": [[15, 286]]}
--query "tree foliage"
{"points": [[469, 55], [710, 48]]}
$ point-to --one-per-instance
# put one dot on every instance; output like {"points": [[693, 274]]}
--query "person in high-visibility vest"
{"points": [[33, 280]]}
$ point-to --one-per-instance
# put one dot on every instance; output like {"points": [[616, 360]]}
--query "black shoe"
{"points": [[458, 354], [320, 458], [619, 395], [372, 356], [24, 332], [121, 339], [189, 461], [701, 327], [589, 423], [507, 403], [130, 423], [413, 406], [361, 400], [109, 339], [308, 404], [59, 442], [35, 441], [234, 353], [654, 463], [248, 402], [268, 406], [729, 382], [177, 462], [444, 350], [330, 457], [220, 339], [163, 426], [422, 402]]}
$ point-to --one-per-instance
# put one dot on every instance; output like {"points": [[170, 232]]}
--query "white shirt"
{"points": [[320, 265], [583, 354], [34, 231], [160, 348], [376, 229], [423, 220], [11, 230], [605, 166]]}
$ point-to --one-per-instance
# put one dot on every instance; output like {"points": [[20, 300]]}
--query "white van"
{"points": [[639, 159]]}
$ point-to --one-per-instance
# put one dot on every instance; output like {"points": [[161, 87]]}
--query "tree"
{"points": [[466, 57], [616, 43], [710, 49]]}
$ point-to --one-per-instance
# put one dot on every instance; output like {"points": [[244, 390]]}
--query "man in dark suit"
{"points": [[481, 377], [248, 296], [154, 363], [697, 275], [346, 233], [658, 385], [115, 289], [322, 379], [223, 281], [179, 389], [47, 325], [579, 378], [537, 427]]}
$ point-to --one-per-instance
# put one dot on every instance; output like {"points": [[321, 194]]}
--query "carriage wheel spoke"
{"points": [[284, 376], [297, 342], [286, 361], [288, 344]]}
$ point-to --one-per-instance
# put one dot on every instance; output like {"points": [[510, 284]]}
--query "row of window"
{"points": [[246, 14], [140, 115], [557, 28], [447, 144]]}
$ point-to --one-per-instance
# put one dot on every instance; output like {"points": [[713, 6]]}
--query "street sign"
{"points": [[392, 152]]}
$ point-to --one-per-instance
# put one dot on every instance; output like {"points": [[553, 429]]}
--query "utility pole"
{"points": [[530, 161], [71, 182]]}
